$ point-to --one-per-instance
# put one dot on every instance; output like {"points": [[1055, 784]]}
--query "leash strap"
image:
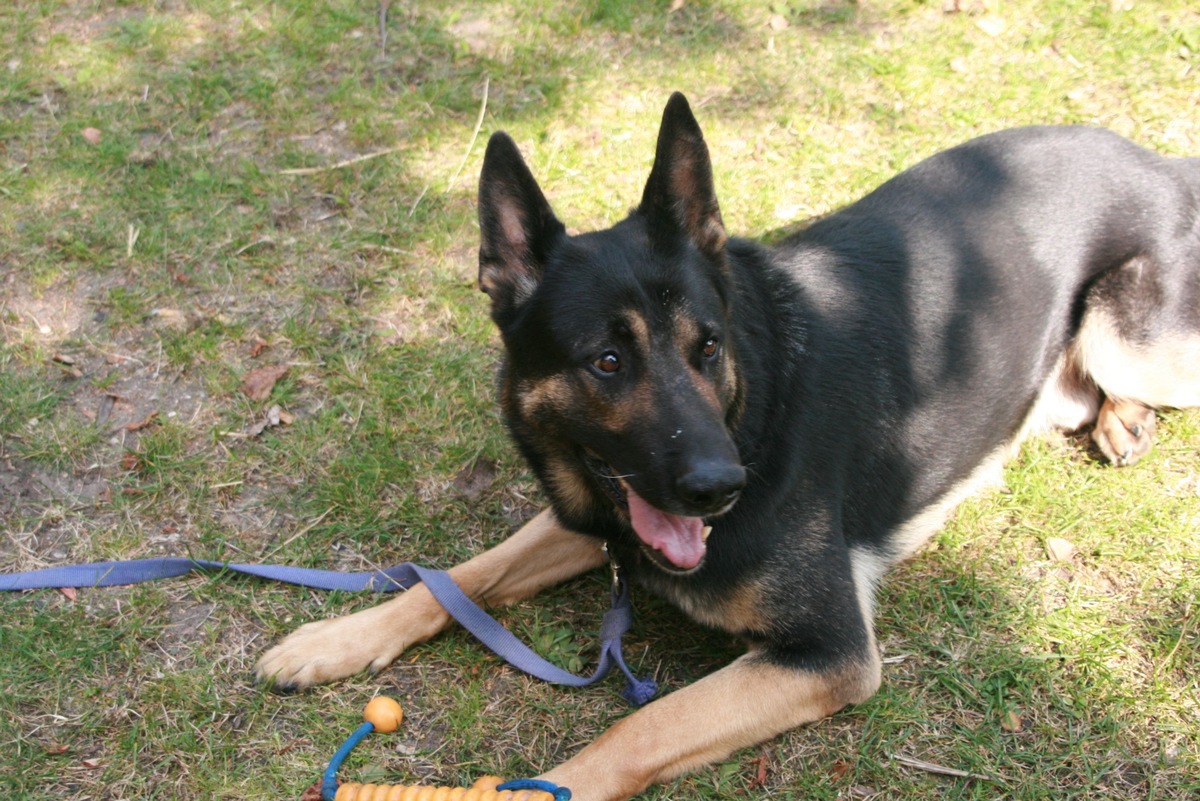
{"points": [[135, 571], [500, 640]]}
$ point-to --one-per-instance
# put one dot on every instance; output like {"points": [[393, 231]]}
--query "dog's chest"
{"points": [[739, 607]]}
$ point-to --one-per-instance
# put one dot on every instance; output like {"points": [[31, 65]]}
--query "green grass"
{"points": [[150, 235]]}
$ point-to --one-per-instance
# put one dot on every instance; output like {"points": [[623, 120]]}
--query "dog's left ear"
{"points": [[517, 228], [679, 196]]}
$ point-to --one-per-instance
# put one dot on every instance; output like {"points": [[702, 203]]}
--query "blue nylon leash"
{"points": [[135, 571], [615, 623]]}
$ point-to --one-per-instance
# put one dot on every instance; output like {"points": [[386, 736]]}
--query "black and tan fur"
{"points": [[820, 405]]}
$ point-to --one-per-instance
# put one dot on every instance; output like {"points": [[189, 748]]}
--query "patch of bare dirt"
{"points": [[487, 35], [116, 387], [185, 629], [66, 311], [412, 319]]}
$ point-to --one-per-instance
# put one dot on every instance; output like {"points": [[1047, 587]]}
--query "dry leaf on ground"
{"points": [[275, 416], [143, 423], [1013, 722], [475, 478], [1060, 550], [259, 382]]}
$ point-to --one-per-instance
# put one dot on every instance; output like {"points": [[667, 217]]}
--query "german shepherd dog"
{"points": [[818, 406]]}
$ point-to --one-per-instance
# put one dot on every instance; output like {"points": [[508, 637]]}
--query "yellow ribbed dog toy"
{"points": [[384, 714], [484, 789]]}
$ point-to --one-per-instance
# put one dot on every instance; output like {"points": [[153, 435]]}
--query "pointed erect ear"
{"points": [[517, 227], [679, 195]]}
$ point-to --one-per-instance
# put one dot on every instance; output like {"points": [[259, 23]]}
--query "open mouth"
{"points": [[674, 543]]}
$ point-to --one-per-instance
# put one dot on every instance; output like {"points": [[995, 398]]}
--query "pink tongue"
{"points": [[679, 539]]}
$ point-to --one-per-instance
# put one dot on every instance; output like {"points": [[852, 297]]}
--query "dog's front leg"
{"points": [[540, 554], [747, 702]]}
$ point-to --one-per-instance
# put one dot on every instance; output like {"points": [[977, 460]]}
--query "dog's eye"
{"points": [[710, 347], [608, 363]]}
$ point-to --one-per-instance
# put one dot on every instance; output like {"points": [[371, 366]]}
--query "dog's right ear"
{"points": [[517, 227]]}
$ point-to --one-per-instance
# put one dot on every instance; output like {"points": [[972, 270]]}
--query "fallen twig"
{"points": [[940, 769], [383, 35], [382, 248], [298, 534], [340, 164], [417, 202], [266, 240]]}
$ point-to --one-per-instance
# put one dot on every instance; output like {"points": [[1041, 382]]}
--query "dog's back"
{"points": [[942, 306]]}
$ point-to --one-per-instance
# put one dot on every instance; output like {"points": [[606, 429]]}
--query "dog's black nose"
{"points": [[710, 486]]}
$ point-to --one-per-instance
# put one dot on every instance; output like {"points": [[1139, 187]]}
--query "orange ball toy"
{"points": [[383, 713]]}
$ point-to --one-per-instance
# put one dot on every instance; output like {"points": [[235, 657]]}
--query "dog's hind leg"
{"points": [[1139, 341], [540, 554], [1124, 430]]}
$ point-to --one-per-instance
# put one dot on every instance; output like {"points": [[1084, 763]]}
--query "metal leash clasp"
{"points": [[614, 567]]}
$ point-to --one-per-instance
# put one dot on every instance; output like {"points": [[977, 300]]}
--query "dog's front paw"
{"points": [[320, 652], [1124, 431], [370, 640]]}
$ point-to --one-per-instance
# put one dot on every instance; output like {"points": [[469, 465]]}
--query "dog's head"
{"points": [[620, 382]]}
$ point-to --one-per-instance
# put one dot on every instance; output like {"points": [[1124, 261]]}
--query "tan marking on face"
{"points": [[638, 328], [687, 333], [687, 337], [721, 394], [553, 393], [706, 390], [638, 406], [639, 403], [568, 486], [731, 383]]}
